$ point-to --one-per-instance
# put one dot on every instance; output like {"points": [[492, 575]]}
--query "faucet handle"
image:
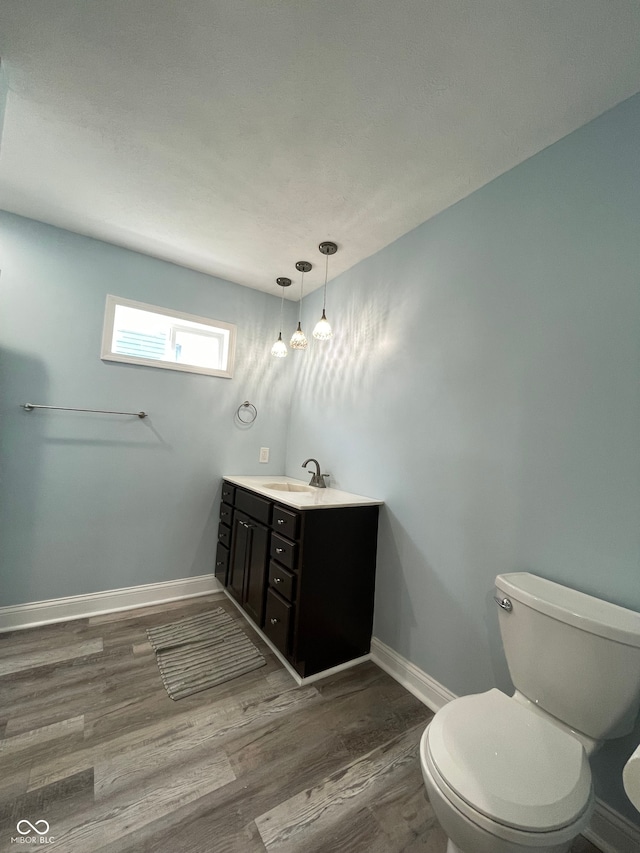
{"points": [[325, 478]]}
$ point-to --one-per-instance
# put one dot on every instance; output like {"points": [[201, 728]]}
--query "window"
{"points": [[136, 333]]}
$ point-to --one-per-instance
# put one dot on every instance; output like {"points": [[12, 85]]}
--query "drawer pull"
{"points": [[279, 550], [274, 621], [281, 521], [277, 580]]}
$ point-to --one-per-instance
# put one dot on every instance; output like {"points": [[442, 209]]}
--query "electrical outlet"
{"points": [[264, 454]]}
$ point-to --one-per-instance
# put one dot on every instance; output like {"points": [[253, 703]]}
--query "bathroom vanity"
{"points": [[301, 563]]}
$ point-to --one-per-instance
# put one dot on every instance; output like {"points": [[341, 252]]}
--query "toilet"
{"points": [[511, 774]]}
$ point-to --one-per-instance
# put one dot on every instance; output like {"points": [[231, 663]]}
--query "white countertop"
{"points": [[312, 498]]}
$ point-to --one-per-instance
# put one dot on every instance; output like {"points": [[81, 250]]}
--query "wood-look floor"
{"points": [[91, 743]]}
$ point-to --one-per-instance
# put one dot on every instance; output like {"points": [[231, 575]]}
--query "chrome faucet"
{"points": [[317, 479]]}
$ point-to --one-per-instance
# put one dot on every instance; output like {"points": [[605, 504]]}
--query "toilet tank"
{"points": [[573, 655]]}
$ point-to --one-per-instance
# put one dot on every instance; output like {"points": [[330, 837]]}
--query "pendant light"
{"points": [[279, 349], [299, 339], [323, 330]]}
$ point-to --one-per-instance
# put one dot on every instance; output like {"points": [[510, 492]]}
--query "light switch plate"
{"points": [[264, 454]]}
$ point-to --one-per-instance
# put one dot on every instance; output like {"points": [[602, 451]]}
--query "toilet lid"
{"points": [[510, 764]]}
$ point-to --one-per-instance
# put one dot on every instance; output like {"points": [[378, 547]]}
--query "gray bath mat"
{"points": [[202, 651]]}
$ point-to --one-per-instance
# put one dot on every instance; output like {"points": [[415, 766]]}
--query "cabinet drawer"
{"points": [[282, 580], [277, 621], [224, 535], [228, 492], [283, 551], [254, 506], [226, 514], [222, 563], [286, 522]]}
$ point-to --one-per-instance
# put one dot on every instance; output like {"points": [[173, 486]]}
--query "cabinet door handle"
{"points": [[281, 521], [279, 550], [275, 580], [274, 621], [219, 563]]}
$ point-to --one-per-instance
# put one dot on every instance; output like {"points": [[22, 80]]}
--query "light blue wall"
{"points": [[483, 381], [4, 92], [94, 502]]}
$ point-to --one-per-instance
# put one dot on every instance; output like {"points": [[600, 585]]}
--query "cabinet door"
{"points": [[256, 575], [222, 564], [228, 492], [224, 535], [277, 624], [238, 561], [284, 551], [282, 580], [226, 514]]}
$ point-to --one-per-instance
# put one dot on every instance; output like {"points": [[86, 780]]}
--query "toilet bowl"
{"points": [[511, 774], [501, 779]]}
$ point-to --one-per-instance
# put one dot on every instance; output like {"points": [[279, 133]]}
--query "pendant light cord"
{"points": [[281, 309], [326, 275], [301, 294]]}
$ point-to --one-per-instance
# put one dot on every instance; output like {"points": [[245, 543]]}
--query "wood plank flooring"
{"points": [[91, 743]]}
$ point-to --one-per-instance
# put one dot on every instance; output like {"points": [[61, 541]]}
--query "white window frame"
{"points": [[228, 329]]}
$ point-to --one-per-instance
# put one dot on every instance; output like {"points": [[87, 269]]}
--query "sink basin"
{"points": [[287, 487]]}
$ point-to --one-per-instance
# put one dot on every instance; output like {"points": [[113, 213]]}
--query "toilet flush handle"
{"points": [[504, 603]]}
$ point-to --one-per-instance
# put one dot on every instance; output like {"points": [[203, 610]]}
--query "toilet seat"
{"points": [[493, 758]]}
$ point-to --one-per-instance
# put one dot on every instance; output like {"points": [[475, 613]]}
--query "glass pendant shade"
{"points": [[298, 339], [323, 330], [279, 349]]}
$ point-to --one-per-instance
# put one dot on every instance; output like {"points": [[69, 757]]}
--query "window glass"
{"points": [[136, 333]]}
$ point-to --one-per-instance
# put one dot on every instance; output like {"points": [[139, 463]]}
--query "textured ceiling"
{"points": [[232, 136]]}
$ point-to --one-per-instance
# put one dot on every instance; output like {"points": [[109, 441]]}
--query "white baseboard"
{"points": [[300, 681], [611, 831], [36, 613], [608, 830], [430, 692]]}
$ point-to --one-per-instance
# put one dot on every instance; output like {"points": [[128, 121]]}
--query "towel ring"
{"points": [[246, 413]]}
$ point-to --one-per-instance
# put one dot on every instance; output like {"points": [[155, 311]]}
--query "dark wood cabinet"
{"points": [[238, 558], [221, 569], [278, 621], [248, 559], [255, 577], [222, 564], [306, 577]]}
